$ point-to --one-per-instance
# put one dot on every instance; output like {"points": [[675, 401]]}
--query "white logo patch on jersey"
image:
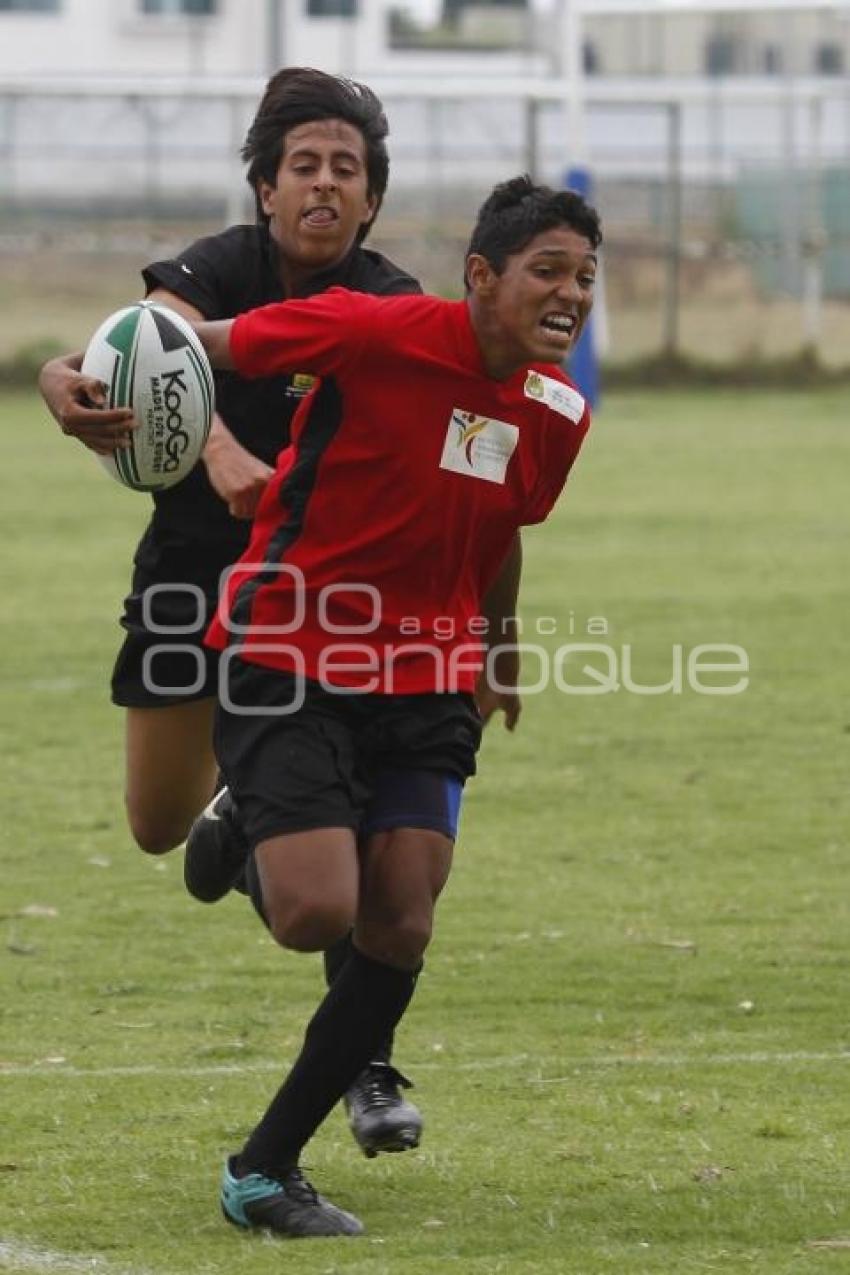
{"points": [[561, 398], [478, 446]]}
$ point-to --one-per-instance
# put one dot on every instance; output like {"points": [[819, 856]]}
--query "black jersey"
{"points": [[223, 275]]}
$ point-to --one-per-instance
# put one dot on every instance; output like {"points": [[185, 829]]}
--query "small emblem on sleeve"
{"points": [[534, 386], [561, 398]]}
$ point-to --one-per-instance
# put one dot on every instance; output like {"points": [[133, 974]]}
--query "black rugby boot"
{"points": [[216, 851], [286, 1204], [380, 1117]]}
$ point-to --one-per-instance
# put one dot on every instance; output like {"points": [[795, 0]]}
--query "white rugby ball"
{"points": [[150, 359]]}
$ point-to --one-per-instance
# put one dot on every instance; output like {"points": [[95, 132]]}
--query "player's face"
{"points": [[536, 308], [319, 200]]}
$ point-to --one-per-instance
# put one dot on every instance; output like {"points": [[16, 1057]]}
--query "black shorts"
{"points": [[344, 760], [162, 659], [173, 598]]}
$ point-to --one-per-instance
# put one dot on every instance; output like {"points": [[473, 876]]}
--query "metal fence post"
{"points": [[532, 137], [7, 147], [674, 228], [813, 239]]}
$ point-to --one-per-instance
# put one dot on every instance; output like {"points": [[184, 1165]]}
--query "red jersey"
{"points": [[409, 474]]}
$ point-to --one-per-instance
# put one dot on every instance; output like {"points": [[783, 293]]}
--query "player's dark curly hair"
{"points": [[297, 95], [516, 211]]}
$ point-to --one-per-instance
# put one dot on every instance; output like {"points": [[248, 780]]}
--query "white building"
{"points": [[149, 97], [215, 38], [248, 38]]}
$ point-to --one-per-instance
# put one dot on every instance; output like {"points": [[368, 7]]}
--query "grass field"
{"points": [[631, 1042]]}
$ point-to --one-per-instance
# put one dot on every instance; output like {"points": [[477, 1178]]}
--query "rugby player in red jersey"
{"points": [[346, 725]]}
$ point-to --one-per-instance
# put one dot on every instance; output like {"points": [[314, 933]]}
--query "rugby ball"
{"points": [[150, 359]]}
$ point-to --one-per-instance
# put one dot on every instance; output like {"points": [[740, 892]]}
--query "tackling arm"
{"points": [[77, 404]]}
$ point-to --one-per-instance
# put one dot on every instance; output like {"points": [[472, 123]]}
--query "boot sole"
{"points": [[405, 1139]]}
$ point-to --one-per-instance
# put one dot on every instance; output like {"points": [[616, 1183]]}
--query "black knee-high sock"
{"points": [[365, 1001], [335, 958]]}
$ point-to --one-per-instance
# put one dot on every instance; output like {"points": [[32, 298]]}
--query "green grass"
{"points": [[630, 1043]]}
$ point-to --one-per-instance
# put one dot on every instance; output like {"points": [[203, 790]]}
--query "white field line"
{"points": [[223, 1069], [20, 1257], [51, 685], [755, 1058]]}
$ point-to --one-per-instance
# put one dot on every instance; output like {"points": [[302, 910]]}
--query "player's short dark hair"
{"points": [[516, 211], [298, 95]]}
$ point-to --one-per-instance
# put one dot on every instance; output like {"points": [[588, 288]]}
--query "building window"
{"points": [[180, 8], [331, 8], [720, 55], [829, 59], [29, 6], [772, 59]]}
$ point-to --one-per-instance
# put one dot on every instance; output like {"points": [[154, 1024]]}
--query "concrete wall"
{"points": [[92, 37], [115, 37], [675, 43]]}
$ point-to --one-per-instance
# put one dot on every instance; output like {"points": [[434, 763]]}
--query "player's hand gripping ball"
{"points": [[150, 360]]}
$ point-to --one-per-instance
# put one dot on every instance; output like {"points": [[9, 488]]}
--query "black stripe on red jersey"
{"points": [[323, 420]]}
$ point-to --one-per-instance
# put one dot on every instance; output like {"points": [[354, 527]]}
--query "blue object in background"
{"points": [[583, 363]]}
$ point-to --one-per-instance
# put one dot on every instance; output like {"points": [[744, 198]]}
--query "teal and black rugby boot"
{"points": [[215, 851], [286, 1205], [381, 1118]]}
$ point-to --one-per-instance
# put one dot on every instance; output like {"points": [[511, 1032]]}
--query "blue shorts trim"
{"points": [[414, 799]]}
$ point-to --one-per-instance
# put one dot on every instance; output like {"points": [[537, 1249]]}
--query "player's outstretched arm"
{"points": [[236, 475], [215, 338], [78, 404], [497, 686]]}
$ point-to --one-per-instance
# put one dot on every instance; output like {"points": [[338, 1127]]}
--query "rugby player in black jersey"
{"points": [[318, 166]]}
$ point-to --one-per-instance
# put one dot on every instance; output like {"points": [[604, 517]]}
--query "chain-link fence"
{"points": [[727, 217]]}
